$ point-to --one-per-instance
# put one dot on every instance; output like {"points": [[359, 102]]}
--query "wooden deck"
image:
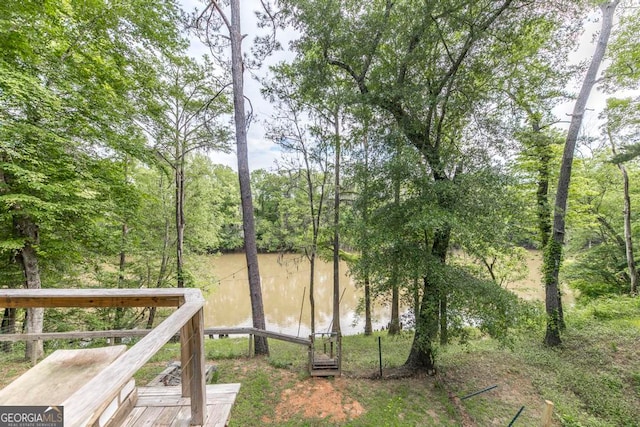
{"points": [[165, 406]]}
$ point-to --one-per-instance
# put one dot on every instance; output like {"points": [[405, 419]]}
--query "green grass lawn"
{"points": [[593, 379]]}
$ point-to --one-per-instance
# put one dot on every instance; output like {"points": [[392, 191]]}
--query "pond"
{"points": [[285, 291]]}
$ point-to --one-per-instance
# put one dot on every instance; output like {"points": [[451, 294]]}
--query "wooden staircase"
{"points": [[325, 355]]}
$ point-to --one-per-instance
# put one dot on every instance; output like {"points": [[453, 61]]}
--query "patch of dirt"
{"points": [[318, 398]]}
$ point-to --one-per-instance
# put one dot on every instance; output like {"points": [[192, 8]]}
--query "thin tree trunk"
{"points": [[416, 298], [336, 229], [121, 276], [312, 301], [439, 250], [164, 262], [394, 323], [628, 241], [248, 222], [8, 327], [553, 252], [368, 327], [180, 222]]}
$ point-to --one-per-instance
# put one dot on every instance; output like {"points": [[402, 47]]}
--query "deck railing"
{"points": [[86, 404]]}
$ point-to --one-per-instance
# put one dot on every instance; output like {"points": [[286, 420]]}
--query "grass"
{"points": [[593, 379]]}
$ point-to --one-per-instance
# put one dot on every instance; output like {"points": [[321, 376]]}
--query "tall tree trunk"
{"points": [[180, 222], [164, 261], [553, 252], [248, 222], [394, 323], [28, 259], [368, 327], [543, 156], [336, 228], [628, 241]]}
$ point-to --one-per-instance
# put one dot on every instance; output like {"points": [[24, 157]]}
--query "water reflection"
{"points": [[285, 291]]}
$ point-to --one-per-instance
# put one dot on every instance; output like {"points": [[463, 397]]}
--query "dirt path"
{"points": [[317, 398]]}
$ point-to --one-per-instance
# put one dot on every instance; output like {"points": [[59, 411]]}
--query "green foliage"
{"points": [[598, 272], [485, 305], [624, 52], [72, 79]]}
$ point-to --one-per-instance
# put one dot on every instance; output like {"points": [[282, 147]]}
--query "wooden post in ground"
{"points": [[547, 415]]}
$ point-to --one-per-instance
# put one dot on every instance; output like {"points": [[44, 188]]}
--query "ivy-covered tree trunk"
{"points": [[542, 151], [553, 252]]}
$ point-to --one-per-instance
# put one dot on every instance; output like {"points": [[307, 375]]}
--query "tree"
{"points": [[622, 121], [553, 252], [424, 65], [244, 176], [72, 79], [191, 105], [309, 157]]}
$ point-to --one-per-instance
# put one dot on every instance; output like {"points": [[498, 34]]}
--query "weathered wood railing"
{"points": [[87, 403], [136, 333]]}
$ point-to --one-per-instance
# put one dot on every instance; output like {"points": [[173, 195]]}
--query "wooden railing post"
{"points": [[198, 385], [186, 352]]}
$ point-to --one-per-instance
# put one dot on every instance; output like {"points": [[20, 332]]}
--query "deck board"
{"points": [[164, 406], [58, 376]]}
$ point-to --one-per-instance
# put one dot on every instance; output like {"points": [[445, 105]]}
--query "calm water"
{"points": [[285, 291]]}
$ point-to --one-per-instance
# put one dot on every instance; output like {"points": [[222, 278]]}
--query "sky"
{"points": [[263, 153]]}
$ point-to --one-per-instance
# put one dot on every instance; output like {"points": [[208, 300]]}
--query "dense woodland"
{"points": [[406, 131]]}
